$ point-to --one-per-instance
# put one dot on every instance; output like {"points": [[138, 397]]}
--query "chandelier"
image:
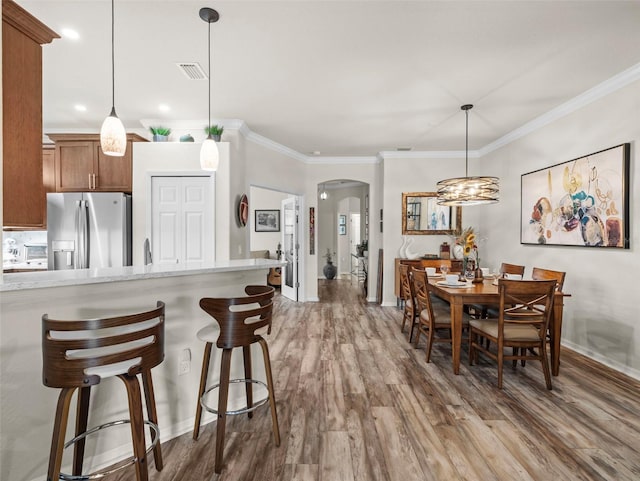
{"points": [[468, 190]]}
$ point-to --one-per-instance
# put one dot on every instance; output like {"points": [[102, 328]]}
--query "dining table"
{"points": [[486, 293]]}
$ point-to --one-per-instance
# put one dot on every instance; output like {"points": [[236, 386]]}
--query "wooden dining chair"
{"points": [[539, 274], [481, 311], [525, 310], [406, 286], [432, 315]]}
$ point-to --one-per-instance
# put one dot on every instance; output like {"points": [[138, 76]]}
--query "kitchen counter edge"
{"points": [[39, 280]]}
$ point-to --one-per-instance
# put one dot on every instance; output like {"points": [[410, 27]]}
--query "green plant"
{"points": [[160, 130], [214, 130]]}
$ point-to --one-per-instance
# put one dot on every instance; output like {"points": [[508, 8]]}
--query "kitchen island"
{"points": [[28, 406]]}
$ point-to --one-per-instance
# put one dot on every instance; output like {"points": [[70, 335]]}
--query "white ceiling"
{"points": [[344, 78]]}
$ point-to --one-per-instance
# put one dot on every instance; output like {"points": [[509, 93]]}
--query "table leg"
{"points": [[555, 330], [456, 332]]}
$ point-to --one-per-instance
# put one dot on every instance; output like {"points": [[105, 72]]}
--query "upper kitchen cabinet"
{"points": [[80, 165], [24, 198]]}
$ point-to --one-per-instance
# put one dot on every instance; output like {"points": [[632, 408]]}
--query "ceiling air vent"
{"points": [[192, 70]]}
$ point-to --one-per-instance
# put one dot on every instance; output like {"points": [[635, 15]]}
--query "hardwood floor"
{"points": [[356, 401]]}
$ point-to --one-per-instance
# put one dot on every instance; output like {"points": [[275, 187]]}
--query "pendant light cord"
{"points": [[209, 55], [113, 62], [466, 146]]}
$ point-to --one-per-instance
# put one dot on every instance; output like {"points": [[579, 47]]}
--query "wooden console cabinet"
{"points": [[456, 266], [24, 202], [80, 165]]}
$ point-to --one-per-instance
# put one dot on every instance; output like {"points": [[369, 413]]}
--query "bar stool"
{"points": [[78, 354], [238, 319]]}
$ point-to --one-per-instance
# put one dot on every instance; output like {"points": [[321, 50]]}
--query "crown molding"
{"points": [[353, 160], [429, 154], [603, 89]]}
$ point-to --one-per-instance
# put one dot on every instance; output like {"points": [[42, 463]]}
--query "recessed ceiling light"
{"points": [[315, 152], [164, 108], [404, 149], [70, 34], [80, 108]]}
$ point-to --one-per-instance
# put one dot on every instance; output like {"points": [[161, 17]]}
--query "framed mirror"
{"points": [[421, 215]]}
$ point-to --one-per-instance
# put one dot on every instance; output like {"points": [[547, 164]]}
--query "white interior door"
{"points": [[290, 247], [182, 224]]}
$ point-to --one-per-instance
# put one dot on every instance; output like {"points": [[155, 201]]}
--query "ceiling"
{"points": [[342, 78]]}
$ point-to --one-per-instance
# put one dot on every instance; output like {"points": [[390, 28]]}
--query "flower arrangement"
{"points": [[468, 241]]}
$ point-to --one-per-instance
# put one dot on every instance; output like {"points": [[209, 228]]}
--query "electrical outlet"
{"points": [[184, 362], [185, 368]]}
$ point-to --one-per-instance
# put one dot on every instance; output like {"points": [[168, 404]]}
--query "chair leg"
{"points": [[430, 342], [59, 430], [82, 417], [203, 384], [246, 354], [225, 367], [150, 401], [514, 351], [500, 361], [545, 367], [272, 396], [471, 339], [417, 341], [137, 425]]}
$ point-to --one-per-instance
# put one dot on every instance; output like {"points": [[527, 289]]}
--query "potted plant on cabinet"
{"points": [[329, 270], [160, 134], [215, 131]]}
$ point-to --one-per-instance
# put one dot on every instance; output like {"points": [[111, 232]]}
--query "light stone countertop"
{"points": [[38, 280]]}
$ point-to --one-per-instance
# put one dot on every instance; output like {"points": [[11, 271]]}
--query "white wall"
{"points": [[600, 319], [411, 175], [262, 199]]}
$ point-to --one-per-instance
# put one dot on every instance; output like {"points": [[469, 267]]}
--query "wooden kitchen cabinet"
{"points": [[24, 202], [80, 165]]}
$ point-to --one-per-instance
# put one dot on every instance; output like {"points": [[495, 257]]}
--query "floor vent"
{"points": [[192, 70]]}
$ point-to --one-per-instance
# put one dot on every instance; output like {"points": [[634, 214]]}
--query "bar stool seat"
{"points": [[79, 354], [239, 319]]}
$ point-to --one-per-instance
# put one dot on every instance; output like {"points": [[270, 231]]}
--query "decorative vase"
{"points": [[458, 252], [216, 137], [402, 252], [186, 138], [160, 138], [329, 270], [409, 254]]}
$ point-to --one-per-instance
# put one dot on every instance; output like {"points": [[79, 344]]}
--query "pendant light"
{"points": [[323, 194], [209, 155], [468, 190], [113, 138]]}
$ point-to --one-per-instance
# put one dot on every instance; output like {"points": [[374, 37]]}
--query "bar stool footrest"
{"points": [[246, 409], [118, 466]]}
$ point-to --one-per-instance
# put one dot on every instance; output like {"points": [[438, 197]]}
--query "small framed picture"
{"points": [[342, 219], [342, 229], [267, 220]]}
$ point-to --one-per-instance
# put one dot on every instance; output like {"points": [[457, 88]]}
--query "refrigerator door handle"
{"points": [[78, 236], [82, 235]]}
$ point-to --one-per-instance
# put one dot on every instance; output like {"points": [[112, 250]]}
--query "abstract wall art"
{"points": [[582, 202]]}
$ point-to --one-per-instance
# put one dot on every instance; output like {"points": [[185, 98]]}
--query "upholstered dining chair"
{"points": [[525, 310], [432, 315], [409, 314]]}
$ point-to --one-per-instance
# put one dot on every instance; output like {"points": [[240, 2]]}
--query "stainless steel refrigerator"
{"points": [[88, 230]]}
